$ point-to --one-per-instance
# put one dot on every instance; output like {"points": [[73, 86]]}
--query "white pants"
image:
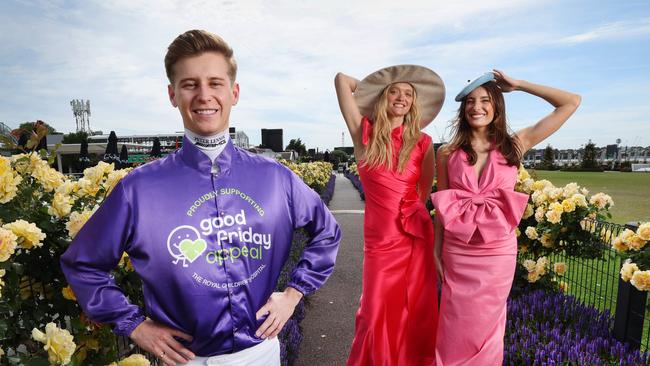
{"points": [[266, 353]]}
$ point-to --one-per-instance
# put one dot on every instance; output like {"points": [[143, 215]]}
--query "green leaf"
{"points": [[38, 361]]}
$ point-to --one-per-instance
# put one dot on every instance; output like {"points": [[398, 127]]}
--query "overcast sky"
{"points": [[111, 52]]}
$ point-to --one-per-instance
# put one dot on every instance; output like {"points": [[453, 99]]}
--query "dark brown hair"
{"points": [[195, 42], [498, 131]]}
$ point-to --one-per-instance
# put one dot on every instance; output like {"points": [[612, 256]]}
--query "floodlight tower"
{"points": [[81, 111]]}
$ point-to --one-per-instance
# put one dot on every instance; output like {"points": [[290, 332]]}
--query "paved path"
{"points": [[329, 324]]}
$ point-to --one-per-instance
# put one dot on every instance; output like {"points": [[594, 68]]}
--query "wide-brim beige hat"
{"points": [[428, 85]]}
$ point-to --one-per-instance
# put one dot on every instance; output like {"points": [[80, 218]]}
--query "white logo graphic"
{"points": [[185, 243]]}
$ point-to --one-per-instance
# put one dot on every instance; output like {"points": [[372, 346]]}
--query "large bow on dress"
{"points": [[494, 213]]}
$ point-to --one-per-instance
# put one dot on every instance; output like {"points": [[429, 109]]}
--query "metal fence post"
{"points": [[630, 310]]}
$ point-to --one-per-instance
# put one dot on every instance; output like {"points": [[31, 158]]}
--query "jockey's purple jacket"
{"points": [[209, 247]]}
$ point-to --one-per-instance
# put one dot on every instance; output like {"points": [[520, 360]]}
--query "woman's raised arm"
{"points": [[565, 104], [346, 85]]}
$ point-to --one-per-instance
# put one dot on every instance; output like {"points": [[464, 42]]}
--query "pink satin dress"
{"points": [[479, 252], [396, 320]]}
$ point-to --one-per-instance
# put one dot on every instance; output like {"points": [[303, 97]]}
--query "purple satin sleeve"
{"points": [[95, 251], [317, 260]]}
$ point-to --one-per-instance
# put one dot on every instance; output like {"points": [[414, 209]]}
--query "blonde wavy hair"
{"points": [[379, 151]]}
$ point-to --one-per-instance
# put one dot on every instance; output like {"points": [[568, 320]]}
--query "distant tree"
{"points": [[75, 137], [548, 161], [589, 156], [297, 146], [338, 156], [29, 126]]}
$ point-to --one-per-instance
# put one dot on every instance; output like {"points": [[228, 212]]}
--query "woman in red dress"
{"points": [[397, 316]]}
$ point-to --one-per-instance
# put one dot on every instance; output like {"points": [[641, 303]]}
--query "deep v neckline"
{"points": [[479, 175]]}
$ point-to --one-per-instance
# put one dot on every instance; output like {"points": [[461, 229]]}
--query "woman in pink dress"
{"points": [[477, 211], [396, 321]]}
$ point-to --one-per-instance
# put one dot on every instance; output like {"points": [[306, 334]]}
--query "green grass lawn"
{"points": [[630, 191]]}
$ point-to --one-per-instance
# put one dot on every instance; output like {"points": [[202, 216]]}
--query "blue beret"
{"points": [[488, 76]]}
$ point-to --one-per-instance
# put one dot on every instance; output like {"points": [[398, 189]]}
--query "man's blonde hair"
{"points": [[194, 43]]}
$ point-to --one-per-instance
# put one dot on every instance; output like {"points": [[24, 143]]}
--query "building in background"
{"points": [[272, 139], [140, 145], [239, 138]]}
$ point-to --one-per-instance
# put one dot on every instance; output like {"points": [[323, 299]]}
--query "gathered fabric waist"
{"points": [[478, 246]]}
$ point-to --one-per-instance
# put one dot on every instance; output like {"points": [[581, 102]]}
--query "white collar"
{"points": [[211, 145]]}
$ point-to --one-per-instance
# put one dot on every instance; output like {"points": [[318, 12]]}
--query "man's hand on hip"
{"points": [[279, 308], [158, 340]]}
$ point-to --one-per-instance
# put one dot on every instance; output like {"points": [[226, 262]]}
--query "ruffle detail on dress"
{"points": [[415, 218]]}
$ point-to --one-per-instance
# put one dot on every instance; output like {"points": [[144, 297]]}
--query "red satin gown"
{"points": [[397, 316]]}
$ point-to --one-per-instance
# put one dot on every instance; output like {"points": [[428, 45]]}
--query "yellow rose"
{"points": [[628, 270], [29, 235], [568, 205], [8, 242], [533, 277], [570, 189], [601, 200], [531, 233], [133, 360], [94, 174], [77, 221], [522, 174], [113, 178], [559, 268], [49, 178], [59, 343], [579, 200], [517, 232], [68, 294], [540, 198], [26, 163], [557, 207], [539, 214], [529, 265], [541, 265], [553, 193], [619, 245], [553, 216], [626, 234], [547, 240], [644, 231], [527, 185], [67, 188], [88, 187], [541, 184], [9, 181], [641, 280], [635, 242], [61, 205], [529, 211]]}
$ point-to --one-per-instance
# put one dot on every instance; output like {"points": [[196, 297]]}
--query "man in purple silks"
{"points": [[207, 228]]}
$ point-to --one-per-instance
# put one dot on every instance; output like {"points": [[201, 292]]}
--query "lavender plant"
{"points": [[550, 328]]}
